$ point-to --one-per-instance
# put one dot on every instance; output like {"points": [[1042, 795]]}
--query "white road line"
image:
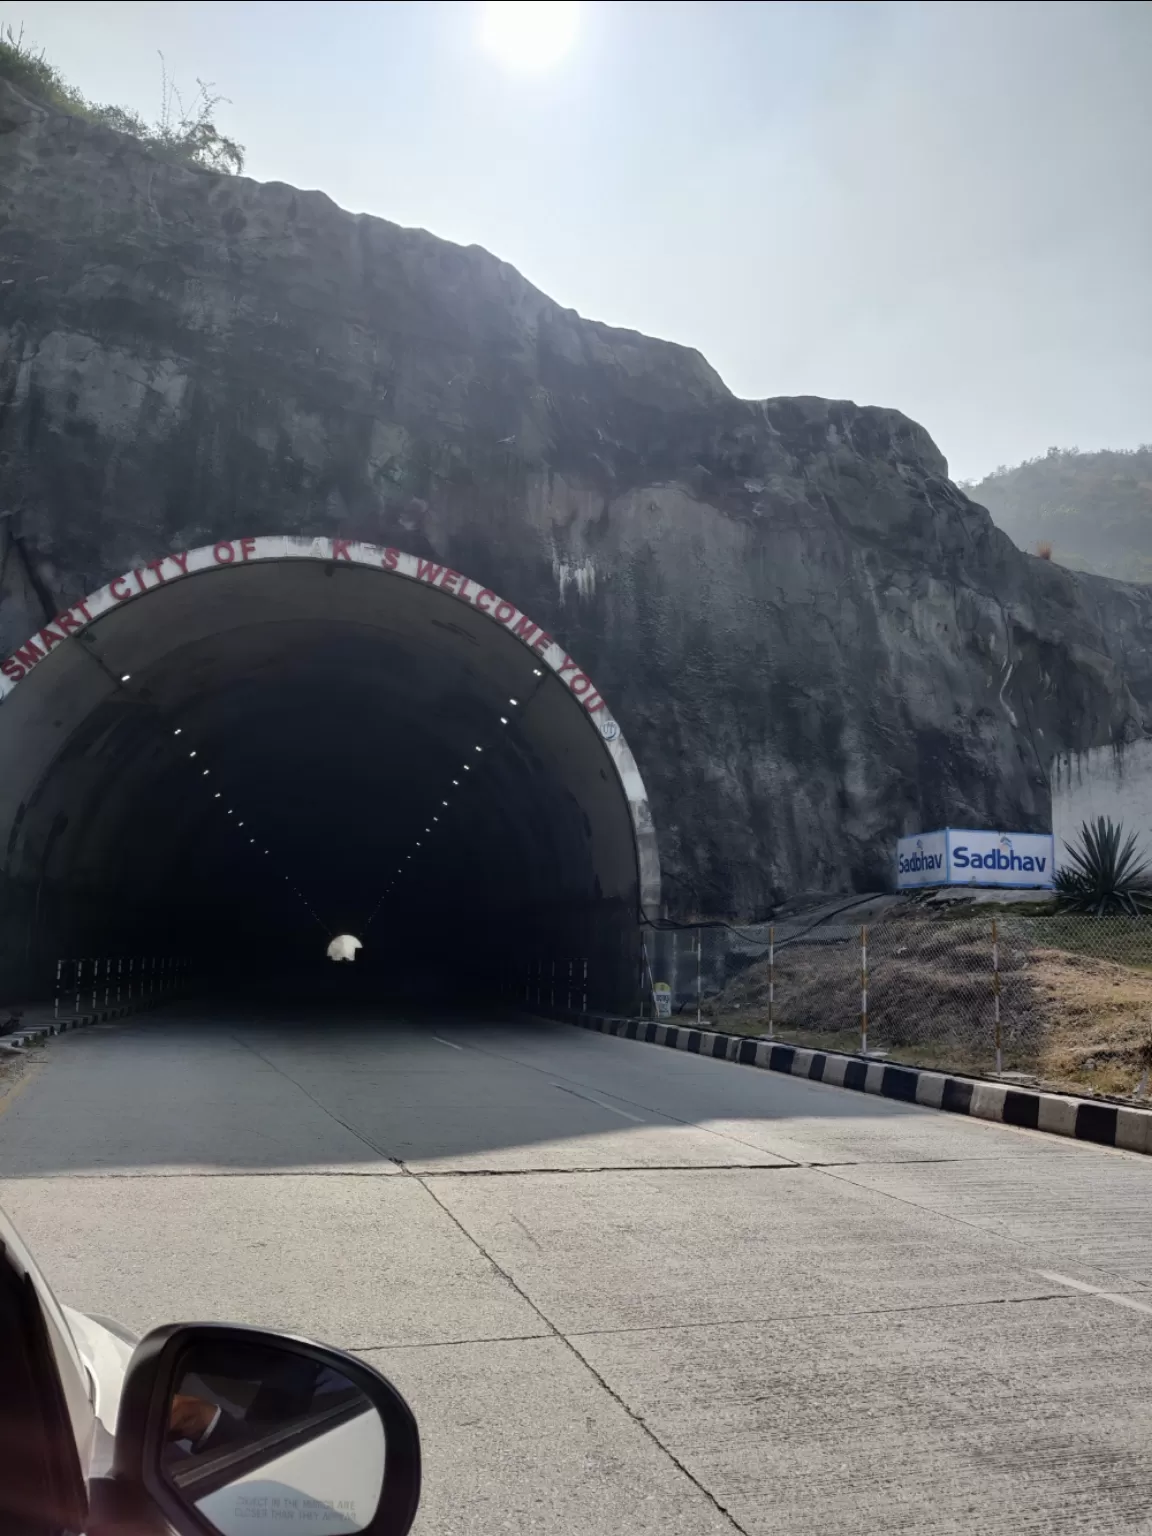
{"points": [[1094, 1290], [452, 1043], [611, 1108]]}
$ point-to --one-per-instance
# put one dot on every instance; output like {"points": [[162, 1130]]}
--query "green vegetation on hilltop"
{"points": [[184, 133], [1088, 511]]}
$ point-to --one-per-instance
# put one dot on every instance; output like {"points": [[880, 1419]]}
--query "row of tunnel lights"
{"points": [[467, 768], [126, 677]]}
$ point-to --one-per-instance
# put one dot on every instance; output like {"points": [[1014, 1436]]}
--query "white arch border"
{"points": [[170, 568]]}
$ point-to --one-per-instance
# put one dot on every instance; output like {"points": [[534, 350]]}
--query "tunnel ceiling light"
{"points": [[125, 677], [179, 731], [503, 721], [205, 773], [536, 672], [239, 823], [251, 839], [466, 767], [417, 844], [513, 701], [457, 784], [479, 749], [435, 818], [192, 753], [444, 802], [216, 796]]}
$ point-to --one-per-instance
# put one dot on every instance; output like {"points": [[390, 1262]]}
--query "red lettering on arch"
{"points": [[448, 581], [48, 638], [426, 571], [485, 607], [525, 629], [504, 612], [223, 553], [12, 669], [28, 655], [541, 642], [248, 547], [182, 561], [592, 706], [114, 588], [83, 608], [580, 679], [391, 558], [66, 623], [154, 567], [339, 549]]}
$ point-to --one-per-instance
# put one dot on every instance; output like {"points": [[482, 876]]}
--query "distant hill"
{"points": [[1093, 509]]}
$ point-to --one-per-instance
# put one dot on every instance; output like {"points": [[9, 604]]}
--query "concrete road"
{"points": [[629, 1292]]}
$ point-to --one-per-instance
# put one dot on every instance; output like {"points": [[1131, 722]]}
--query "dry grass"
{"points": [[12, 1069], [1099, 1022], [1073, 1020]]}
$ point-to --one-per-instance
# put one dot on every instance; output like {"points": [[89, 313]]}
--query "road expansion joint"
{"points": [[555, 1332]]}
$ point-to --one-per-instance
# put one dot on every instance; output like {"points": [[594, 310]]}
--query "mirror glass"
{"points": [[262, 1438]]}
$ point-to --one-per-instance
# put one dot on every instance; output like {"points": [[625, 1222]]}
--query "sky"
{"points": [[946, 208]]}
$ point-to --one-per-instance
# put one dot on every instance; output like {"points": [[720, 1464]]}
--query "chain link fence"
{"points": [[1064, 999]]}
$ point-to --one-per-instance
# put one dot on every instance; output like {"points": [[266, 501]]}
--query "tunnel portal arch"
{"points": [[37, 675]]}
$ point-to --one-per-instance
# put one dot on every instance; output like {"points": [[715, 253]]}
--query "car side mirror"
{"points": [[229, 1431]]}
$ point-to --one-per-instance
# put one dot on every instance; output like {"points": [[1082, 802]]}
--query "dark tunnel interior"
{"points": [[242, 764]]}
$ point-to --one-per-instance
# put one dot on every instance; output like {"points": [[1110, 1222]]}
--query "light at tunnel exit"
{"points": [[344, 947]]}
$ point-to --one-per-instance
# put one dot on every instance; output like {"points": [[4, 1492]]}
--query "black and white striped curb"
{"points": [[1111, 1125], [29, 1032]]}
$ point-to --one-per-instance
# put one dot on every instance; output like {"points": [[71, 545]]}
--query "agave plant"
{"points": [[1104, 874]]}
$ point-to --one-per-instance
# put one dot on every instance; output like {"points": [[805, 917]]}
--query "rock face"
{"points": [[814, 640]]}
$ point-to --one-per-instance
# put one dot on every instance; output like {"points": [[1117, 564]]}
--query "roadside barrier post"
{"points": [[651, 980], [771, 980], [584, 996], [699, 974], [863, 989], [996, 997], [59, 984], [79, 964]]}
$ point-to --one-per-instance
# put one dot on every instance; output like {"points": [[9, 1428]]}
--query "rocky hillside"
{"points": [[1092, 510], [814, 639]]}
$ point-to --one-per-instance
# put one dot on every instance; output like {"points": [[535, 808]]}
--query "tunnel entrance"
{"points": [[247, 748]]}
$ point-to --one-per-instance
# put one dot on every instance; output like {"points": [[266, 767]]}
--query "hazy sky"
{"points": [[945, 208]]}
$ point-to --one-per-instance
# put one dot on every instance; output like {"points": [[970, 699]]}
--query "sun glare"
{"points": [[529, 35]]}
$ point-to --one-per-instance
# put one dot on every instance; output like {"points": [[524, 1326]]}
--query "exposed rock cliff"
{"points": [[814, 639]]}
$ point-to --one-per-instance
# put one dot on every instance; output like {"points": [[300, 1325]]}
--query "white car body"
{"points": [[105, 1349]]}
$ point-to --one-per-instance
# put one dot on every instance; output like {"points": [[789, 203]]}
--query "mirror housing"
{"points": [[142, 1495]]}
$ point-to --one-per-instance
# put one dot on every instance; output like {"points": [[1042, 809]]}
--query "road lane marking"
{"points": [[452, 1043], [1095, 1290], [611, 1108]]}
